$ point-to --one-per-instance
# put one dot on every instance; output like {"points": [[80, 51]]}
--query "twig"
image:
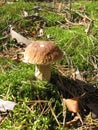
{"points": [[53, 114], [89, 27], [77, 12], [84, 16], [7, 94], [70, 9], [44, 101], [64, 113], [46, 110], [75, 24], [2, 38], [72, 122], [3, 119]]}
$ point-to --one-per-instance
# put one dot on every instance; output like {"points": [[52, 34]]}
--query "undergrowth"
{"points": [[17, 81]]}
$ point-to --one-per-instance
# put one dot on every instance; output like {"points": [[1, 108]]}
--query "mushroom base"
{"points": [[42, 72]]}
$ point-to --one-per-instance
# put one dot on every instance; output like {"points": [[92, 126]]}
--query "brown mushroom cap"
{"points": [[42, 52]]}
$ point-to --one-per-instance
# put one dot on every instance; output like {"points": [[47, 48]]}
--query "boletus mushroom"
{"points": [[42, 54]]}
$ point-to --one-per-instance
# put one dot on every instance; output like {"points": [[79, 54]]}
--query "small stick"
{"points": [[89, 27], [70, 9], [7, 94], [80, 118], [72, 122], [64, 113], [44, 101], [53, 114]]}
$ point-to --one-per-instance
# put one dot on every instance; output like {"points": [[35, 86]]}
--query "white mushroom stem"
{"points": [[42, 72]]}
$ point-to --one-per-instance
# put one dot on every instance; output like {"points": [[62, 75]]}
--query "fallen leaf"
{"points": [[19, 37], [6, 105], [77, 75], [40, 32], [72, 104], [25, 13]]}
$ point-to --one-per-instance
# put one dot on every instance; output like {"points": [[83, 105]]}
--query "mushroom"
{"points": [[42, 53]]}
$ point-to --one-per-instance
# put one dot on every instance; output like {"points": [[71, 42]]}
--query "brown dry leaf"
{"points": [[72, 104], [33, 32]]}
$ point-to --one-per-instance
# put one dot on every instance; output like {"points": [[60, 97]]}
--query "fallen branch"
{"points": [[76, 24], [77, 12], [69, 22]]}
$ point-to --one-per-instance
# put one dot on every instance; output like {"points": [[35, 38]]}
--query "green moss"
{"points": [[17, 81]]}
